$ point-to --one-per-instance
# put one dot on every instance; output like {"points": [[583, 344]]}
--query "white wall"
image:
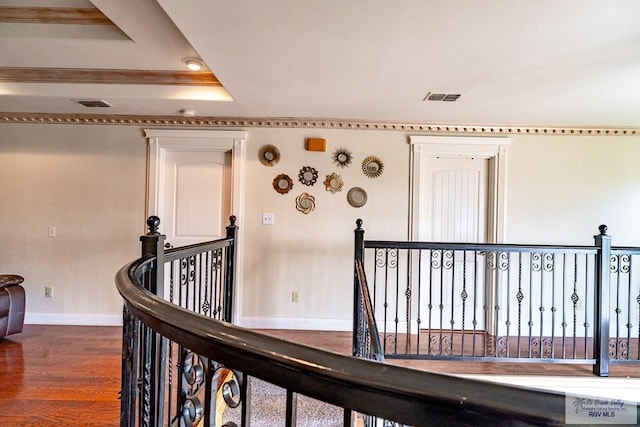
{"points": [[313, 253], [560, 189], [89, 181]]}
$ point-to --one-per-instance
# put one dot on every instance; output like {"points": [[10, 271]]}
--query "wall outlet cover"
{"points": [[268, 219]]}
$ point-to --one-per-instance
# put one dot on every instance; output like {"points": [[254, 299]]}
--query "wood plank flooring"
{"points": [[70, 375], [60, 376]]}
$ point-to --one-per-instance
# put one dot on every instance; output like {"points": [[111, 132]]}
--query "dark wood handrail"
{"points": [[409, 396], [195, 249], [370, 320], [484, 247]]}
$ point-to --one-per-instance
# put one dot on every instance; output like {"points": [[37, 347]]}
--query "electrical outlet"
{"points": [[268, 219], [294, 296], [51, 231], [48, 291]]}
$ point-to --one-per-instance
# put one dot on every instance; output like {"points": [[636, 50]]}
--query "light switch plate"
{"points": [[268, 219]]}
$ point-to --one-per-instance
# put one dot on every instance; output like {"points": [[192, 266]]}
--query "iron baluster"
{"points": [[586, 308], [463, 296], [519, 297], [419, 302], [407, 294], [564, 305], [475, 301]]}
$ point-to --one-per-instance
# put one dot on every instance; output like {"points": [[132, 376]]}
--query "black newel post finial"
{"points": [[232, 228], [153, 244], [603, 230], [359, 240], [153, 224]]}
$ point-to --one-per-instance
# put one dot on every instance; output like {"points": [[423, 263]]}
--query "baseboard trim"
{"points": [[73, 319], [296, 323]]}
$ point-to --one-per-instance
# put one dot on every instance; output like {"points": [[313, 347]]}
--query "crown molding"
{"points": [[310, 123]]}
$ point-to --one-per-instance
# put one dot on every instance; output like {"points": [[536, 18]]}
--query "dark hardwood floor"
{"points": [[70, 375], [60, 376]]}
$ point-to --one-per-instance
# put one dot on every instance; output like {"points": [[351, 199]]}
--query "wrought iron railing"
{"points": [[184, 365], [505, 303]]}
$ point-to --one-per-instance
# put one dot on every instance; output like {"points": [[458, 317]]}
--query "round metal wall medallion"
{"points": [[333, 183], [305, 203], [269, 155], [357, 197], [372, 167], [282, 183], [308, 175]]}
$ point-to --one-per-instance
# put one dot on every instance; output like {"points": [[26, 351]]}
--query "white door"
{"points": [[458, 199], [197, 196], [196, 203], [454, 192], [457, 189], [194, 185]]}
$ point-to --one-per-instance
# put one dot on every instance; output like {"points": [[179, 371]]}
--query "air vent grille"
{"points": [[93, 103], [447, 97]]}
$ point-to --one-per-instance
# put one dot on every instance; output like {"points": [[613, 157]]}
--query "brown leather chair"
{"points": [[12, 302]]}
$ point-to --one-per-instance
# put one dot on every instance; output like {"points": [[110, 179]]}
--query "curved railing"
{"points": [[216, 362]]}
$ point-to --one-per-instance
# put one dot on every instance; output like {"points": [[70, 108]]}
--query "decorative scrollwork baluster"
{"points": [[193, 373]]}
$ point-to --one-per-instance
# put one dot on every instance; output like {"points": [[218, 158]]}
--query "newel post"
{"points": [[229, 280], [357, 295], [153, 244], [154, 349], [602, 297]]}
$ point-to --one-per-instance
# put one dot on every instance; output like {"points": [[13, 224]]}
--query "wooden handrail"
{"points": [[370, 320], [405, 395]]}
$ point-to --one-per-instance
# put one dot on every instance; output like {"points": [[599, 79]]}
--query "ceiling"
{"points": [[569, 63]]}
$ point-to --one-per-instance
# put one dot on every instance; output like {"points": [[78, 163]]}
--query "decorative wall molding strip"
{"points": [[288, 122]]}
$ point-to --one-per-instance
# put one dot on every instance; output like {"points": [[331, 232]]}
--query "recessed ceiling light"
{"points": [[194, 64], [187, 112]]}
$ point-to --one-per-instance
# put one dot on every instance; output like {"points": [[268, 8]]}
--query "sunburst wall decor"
{"points": [[342, 157]]}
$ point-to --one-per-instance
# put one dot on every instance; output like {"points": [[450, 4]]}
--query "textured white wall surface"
{"points": [[89, 182]]}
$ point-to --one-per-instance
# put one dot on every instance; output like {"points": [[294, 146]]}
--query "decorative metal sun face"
{"points": [[372, 167], [342, 157]]}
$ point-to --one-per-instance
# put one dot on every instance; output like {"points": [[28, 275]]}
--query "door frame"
{"points": [[493, 149], [160, 141]]}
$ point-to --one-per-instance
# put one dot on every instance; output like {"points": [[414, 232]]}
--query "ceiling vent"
{"points": [[448, 97], [93, 103]]}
